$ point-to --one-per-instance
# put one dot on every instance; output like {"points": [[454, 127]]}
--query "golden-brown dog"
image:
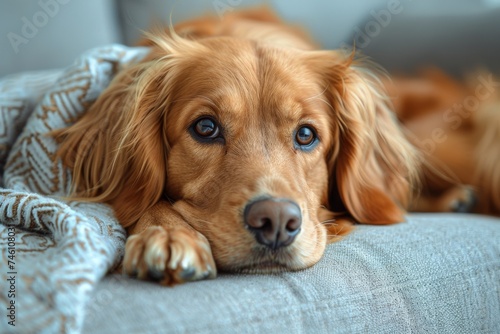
{"points": [[456, 126], [236, 145]]}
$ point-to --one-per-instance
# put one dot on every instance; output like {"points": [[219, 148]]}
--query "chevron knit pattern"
{"points": [[52, 252]]}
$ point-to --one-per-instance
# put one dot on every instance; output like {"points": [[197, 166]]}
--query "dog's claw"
{"points": [[188, 274], [170, 256], [465, 202], [156, 275]]}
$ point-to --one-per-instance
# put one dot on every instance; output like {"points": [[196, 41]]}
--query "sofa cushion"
{"points": [[436, 273], [47, 34], [457, 44]]}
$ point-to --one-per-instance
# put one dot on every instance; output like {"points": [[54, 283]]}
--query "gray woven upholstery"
{"points": [[433, 274]]}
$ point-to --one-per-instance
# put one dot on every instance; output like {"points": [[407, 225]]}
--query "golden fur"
{"points": [[182, 201], [458, 139]]}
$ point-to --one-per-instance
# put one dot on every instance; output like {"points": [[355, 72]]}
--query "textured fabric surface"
{"points": [[52, 253], [433, 274], [457, 44], [44, 34]]}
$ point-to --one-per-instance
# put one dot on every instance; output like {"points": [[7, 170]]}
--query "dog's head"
{"points": [[254, 144]]}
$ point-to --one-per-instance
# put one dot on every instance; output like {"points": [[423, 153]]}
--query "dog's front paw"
{"points": [[169, 255]]}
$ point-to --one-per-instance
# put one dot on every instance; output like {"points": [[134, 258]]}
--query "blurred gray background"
{"points": [[402, 35]]}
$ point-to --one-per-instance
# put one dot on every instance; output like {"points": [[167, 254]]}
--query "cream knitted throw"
{"points": [[52, 252]]}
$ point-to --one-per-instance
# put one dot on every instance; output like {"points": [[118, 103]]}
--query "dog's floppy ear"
{"points": [[118, 149], [372, 165]]}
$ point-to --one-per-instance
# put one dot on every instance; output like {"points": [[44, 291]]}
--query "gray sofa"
{"points": [[435, 273]]}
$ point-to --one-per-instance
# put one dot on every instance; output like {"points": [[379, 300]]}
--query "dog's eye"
{"points": [[206, 129], [305, 137]]}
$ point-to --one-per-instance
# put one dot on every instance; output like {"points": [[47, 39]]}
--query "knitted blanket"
{"points": [[52, 252]]}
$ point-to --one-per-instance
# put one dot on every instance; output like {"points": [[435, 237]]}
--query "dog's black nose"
{"points": [[275, 222]]}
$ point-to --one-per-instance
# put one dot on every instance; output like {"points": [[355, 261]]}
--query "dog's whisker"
{"points": [[203, 221], [314, 97]]}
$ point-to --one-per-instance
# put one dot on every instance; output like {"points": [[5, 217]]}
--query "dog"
{"points": [[237, 145], [456, 127]]}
